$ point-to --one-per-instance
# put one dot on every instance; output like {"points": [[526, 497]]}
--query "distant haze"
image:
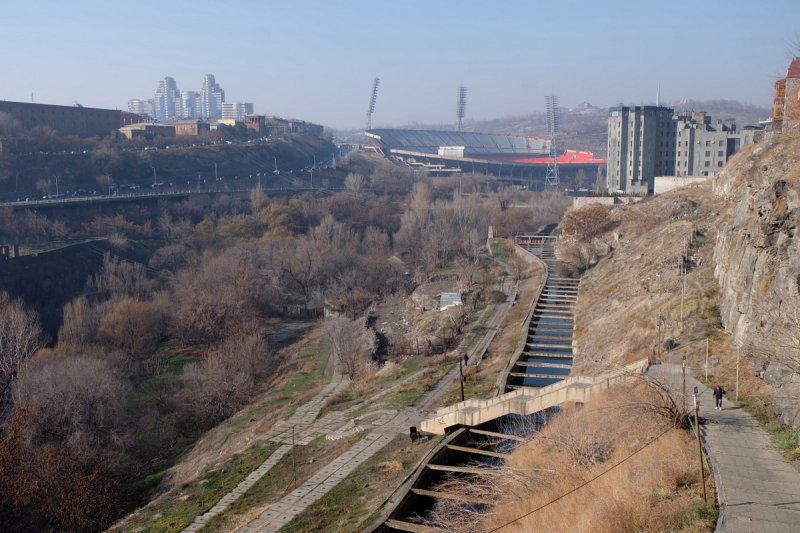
{"points": [[317, 60]]}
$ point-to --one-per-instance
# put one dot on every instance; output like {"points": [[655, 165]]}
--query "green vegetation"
{"points": [[290, 472], [310, 364], [700, 513], [783, 437], [412, 389], [174, 514], [350, 506]]}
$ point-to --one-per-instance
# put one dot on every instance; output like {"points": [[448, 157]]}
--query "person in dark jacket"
{"points": [[719, 392]]}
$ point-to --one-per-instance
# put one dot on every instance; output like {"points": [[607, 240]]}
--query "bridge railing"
{"points": [[475, 411]]}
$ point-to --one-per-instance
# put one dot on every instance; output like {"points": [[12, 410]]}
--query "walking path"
{"points": [[303, 427], [757, 488], [296, 430], [284, 511]]}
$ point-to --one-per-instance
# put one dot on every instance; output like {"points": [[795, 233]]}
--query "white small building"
{"points": [[449, 299]]}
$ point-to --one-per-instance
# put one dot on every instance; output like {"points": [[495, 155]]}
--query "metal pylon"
{"points": [[551, 177]]}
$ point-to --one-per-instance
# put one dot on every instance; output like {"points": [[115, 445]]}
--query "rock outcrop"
{"points": [[757, 257]]}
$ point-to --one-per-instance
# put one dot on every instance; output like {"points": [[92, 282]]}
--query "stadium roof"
{"points": [[429, 141], [570, 157]]}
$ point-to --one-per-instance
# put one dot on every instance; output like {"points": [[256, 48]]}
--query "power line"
{"points": [[581, 485]]}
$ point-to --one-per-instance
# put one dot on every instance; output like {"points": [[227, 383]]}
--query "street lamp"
{"points": [[154, 175]]}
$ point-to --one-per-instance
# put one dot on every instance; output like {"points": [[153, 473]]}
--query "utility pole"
{"points": [[216, 176], [198, 181], [683, 381], [680, 280], [658, 338], [294, 467], [699, 444], [154, 175], [737, 374], [461, 378]]}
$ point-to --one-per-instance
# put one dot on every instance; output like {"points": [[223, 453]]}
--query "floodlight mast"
{"points": [[461, 108], [372, 98], [551, 104]]}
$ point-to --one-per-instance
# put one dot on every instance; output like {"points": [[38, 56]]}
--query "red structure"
{"points": [[786, 105]]}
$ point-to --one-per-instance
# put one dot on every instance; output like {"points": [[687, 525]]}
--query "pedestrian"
{"points": [[718, 393]]}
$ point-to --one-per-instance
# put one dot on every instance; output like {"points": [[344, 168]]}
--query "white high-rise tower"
{"points": [[211, 98]]}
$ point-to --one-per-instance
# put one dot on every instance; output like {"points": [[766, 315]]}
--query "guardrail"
{"points": [[154, 194]]}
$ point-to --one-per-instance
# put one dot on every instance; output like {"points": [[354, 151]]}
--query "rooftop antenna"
{"points": [[551, 104], [31, 97], [658, 96], [461, 108], [372, 98]]}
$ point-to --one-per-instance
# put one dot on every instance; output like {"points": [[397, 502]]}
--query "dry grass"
{"points": [[612, 465], [622, 296]]}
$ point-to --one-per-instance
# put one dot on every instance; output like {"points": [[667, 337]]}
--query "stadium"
{"points": [[510, 157]]}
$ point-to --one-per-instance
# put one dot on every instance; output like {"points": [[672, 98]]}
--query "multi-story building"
{"points": [[236, 110], [150, 108], [66, 120], [649, 141], [171, 104], [211, 98], [167, 97], [136, 106], [786, 104], [188, 105], [641, 145]]}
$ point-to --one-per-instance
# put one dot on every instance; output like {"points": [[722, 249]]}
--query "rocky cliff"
{"points": [[757, 264]]}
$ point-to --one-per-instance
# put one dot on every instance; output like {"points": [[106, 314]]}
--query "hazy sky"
{"points": [[316, 60]]}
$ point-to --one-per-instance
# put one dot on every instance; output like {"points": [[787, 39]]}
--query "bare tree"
{"points": [[229, 375], [134, 326], [586, 222], [74, 400], [20, 336], [351, 343], [79, 326], [119, 278], [354, 182]]}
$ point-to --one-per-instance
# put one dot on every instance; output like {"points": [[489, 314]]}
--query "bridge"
{"points": [[154, 195], [528, 400], [483, 432]]}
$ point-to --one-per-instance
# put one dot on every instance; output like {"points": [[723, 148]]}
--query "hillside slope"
{"points": [[638, 279], [758, 264], [743, 264]]}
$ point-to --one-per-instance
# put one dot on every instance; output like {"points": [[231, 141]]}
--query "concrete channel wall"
{"points": [[528, 401], [528, 257]]}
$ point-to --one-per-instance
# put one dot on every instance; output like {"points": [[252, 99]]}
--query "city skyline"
{"points": [[316, 61]]}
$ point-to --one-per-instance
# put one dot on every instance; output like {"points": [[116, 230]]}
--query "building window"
{"points": [[722, 143], [708, 153], [720, 153], [719, 163], [708, 143], [708, 164]]}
